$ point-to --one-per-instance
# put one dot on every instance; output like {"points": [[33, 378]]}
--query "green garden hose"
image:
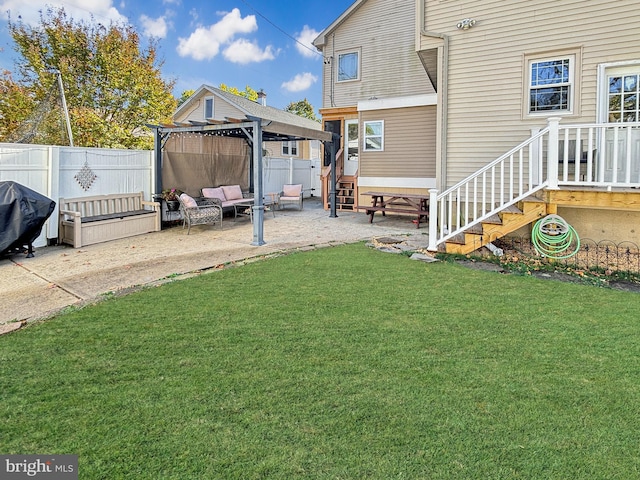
{"points": [[552, 237]]}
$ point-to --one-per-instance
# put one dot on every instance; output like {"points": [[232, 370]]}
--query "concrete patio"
{"points": [[61, 276]]}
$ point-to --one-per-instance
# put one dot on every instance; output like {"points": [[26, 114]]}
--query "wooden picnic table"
{"points": [[407, 203]]}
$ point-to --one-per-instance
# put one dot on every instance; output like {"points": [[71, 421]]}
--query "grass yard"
{"points": [[339, 363]]}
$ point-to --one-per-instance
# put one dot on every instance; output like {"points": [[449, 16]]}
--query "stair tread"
{"points": [[512, 209], [532, 198], [495, 219]]}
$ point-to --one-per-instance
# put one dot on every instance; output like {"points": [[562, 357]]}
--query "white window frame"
{"points": [[571, 83], [213, 103], [365, 136], [349, 79], [292, 147]]}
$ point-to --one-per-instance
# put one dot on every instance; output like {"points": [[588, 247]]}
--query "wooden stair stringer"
{"points": [[511, 219]]}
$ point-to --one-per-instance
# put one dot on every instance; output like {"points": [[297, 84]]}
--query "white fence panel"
{"points": [[280, 171], [105, 171], [63, 172]]}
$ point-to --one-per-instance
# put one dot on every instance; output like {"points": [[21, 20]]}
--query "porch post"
{"points": [[335, 138], [552, 153], [433, 220]]}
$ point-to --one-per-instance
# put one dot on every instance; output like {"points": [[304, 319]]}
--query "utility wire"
{"points": [[280, 29]]}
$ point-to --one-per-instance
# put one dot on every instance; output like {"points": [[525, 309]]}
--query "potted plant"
{"points": [[170, 195]]}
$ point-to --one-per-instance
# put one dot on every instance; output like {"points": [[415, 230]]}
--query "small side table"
{"points": [[243, 209]]}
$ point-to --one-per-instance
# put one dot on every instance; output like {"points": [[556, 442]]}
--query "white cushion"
{"points": [[188, 201], [232, 192], [214, 193]]}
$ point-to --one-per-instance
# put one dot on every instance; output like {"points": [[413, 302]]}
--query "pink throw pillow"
{"points": [[291, 190], [214, 193], [188, 201], [232, 192]]}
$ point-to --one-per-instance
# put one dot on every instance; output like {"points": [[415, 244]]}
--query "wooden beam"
{"points": [[620, 200]]}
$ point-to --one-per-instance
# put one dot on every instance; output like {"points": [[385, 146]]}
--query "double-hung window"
{"points": [[551, 84], [374, 136], [348, 66], [290, 148]]}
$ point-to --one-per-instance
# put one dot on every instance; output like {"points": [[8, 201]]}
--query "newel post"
{"points": [[433, 220], [552, 152]]}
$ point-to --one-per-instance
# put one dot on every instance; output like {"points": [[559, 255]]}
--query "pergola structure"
{"points": [[255, 131]]}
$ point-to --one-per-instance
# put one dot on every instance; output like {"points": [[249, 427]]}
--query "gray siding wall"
{"points": [[384, 32], [488, 73], [409, 144]]}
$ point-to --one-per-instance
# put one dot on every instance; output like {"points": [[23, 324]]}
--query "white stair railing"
{"points": [[499, 184], [584, 155]]}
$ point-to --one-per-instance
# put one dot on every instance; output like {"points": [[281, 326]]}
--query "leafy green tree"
{"points": [[248, 92], [113, 85], [15, 105], [302, 108], [185, 96]]}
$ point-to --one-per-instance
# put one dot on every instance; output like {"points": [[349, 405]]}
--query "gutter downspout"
{"points": [[443, 89]]}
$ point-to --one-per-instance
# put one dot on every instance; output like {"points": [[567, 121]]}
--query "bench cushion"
{"points": [[214, 193], [232, 192], [109, 216]]}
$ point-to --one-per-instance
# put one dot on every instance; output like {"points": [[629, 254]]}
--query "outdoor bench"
{"points": [[89, 220], [227, 195]]}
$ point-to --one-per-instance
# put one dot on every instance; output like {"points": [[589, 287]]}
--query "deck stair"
{"points": [[346, 193], [508, 220]]}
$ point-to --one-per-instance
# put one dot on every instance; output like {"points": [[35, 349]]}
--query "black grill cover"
{"points": [[22, 215]]}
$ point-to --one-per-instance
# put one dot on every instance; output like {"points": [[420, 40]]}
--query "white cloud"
{"points": [[205, 42], [306, 37], [243, 51], [300, 82], [103, 11], [154, 27]]}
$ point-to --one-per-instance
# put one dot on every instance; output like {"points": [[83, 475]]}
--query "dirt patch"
{"points": [[560, 276]]}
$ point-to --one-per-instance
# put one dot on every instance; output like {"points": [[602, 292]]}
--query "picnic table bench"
{"points": [[404, 203]]}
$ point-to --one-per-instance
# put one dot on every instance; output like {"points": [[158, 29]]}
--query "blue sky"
{"points": [[236, 42]]}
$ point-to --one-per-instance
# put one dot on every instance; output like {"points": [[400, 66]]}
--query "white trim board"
{"points": [[397, 182], [398, 102]]}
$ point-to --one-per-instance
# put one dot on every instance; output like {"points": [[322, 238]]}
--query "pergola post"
{"points": [[258, 195]]}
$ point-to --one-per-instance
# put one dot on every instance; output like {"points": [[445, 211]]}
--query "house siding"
{"points": [[221, 109], [383, 31], [409, 144], [487, 69]]}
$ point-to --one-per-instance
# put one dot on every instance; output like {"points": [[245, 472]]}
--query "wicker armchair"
{"points": [[199, 212], [291, 195]]}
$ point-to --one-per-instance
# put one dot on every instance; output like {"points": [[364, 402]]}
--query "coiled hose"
{"points": [[552, 237]]}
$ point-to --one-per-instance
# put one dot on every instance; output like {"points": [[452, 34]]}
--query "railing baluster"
{"points": [[475, 198], [590, 157], [466, 204], [578, 155], [628, 157], [614, 163]]}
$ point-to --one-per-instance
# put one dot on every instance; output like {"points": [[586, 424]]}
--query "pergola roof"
{"points": [[272, 131], [277, 125]]}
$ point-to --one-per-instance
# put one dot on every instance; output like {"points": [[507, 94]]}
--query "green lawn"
{"points": [[339, 363]]}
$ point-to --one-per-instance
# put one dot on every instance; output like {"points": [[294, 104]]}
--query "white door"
{"points": [[352, 147], [622, 142]]}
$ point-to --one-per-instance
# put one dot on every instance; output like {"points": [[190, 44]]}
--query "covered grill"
{"points": [[23, 213]]}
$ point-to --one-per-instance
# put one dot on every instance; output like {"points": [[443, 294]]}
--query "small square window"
{"points": [[348, 64], [374, 136]]}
